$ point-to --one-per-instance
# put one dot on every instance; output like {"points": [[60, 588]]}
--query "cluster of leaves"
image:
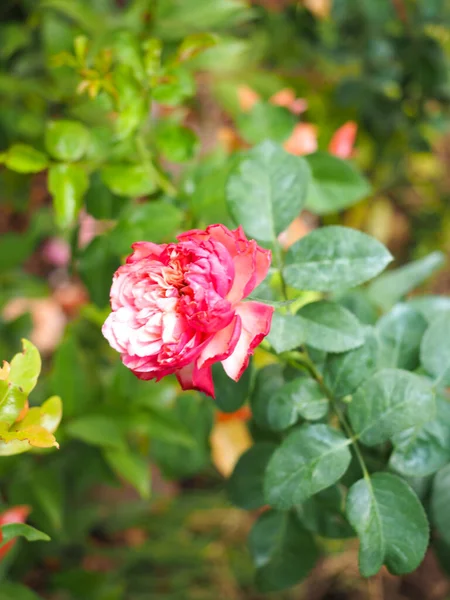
{"points": [[353, 416], [21, 427]]}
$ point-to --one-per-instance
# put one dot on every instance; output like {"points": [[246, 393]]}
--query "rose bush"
{"points": [[177, 308]]}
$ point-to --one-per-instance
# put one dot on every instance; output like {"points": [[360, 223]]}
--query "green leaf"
{"points": [[390, 522], [430, 307], [230, 395], [175, 86], [421, 451], [246, 484], [13, 530], [25, 159], [177, 460], [67, 184], [162, 424], [440, 501], [389, 402], [268, 381], [301, 397], [266, 122], [282, 550], [134, 468], [336, 184], [266, 190], [435, 350], [357, 302], [400, 333], [25, 367], [330, 327], [66, 140], [12, 401], [333, 258], [97, 263], [175, 142], [16, 591], [345, 372], [69, 377], [51, 413], [392, 286], [286, 332], [129, 179], [96, 430], [193, 44], [156, 220], [309, 459], [323, 514]]}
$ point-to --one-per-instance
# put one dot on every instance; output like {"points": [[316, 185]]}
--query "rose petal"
{"points": [[221, 344], [145, 250], [256, 320], [193, 378]]}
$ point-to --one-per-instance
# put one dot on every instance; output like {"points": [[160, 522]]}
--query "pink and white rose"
{"points": [[177, 308]]}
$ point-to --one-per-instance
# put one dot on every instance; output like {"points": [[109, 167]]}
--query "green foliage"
{"points": [[115, 109], [266, 190]]}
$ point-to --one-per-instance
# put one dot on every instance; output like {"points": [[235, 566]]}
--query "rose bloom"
{"points": [[177, 308]]}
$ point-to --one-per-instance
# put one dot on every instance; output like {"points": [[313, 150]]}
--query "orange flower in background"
{"points": [[286, 97], [15, 514], [243, 414], [303, 140], [343, 140], [247, 98]]}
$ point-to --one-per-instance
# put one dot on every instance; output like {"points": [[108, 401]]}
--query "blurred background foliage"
{"points": [[119, 121]]}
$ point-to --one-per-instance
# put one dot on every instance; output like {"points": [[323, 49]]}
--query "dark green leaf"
{"points": [[335, 185], [286, 332], [97, 430], [392, 286], [323, 514], [435, 350], [246, 484], [282, 550], [268, 381], [389, 402], [97, 264], [176, 460], [16, 591], [330, 327], [400, 333], [309, 460], [156, 220], [67, 184], [25, 159], [134, 468], [390, 522], [345, 372], [301, 397], [421, 451], [66, 140], [333, 258], [266, 190], [440, 501], [230, 395]]}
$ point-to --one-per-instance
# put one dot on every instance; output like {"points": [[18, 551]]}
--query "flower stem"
{"points": [[302, 359]]}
